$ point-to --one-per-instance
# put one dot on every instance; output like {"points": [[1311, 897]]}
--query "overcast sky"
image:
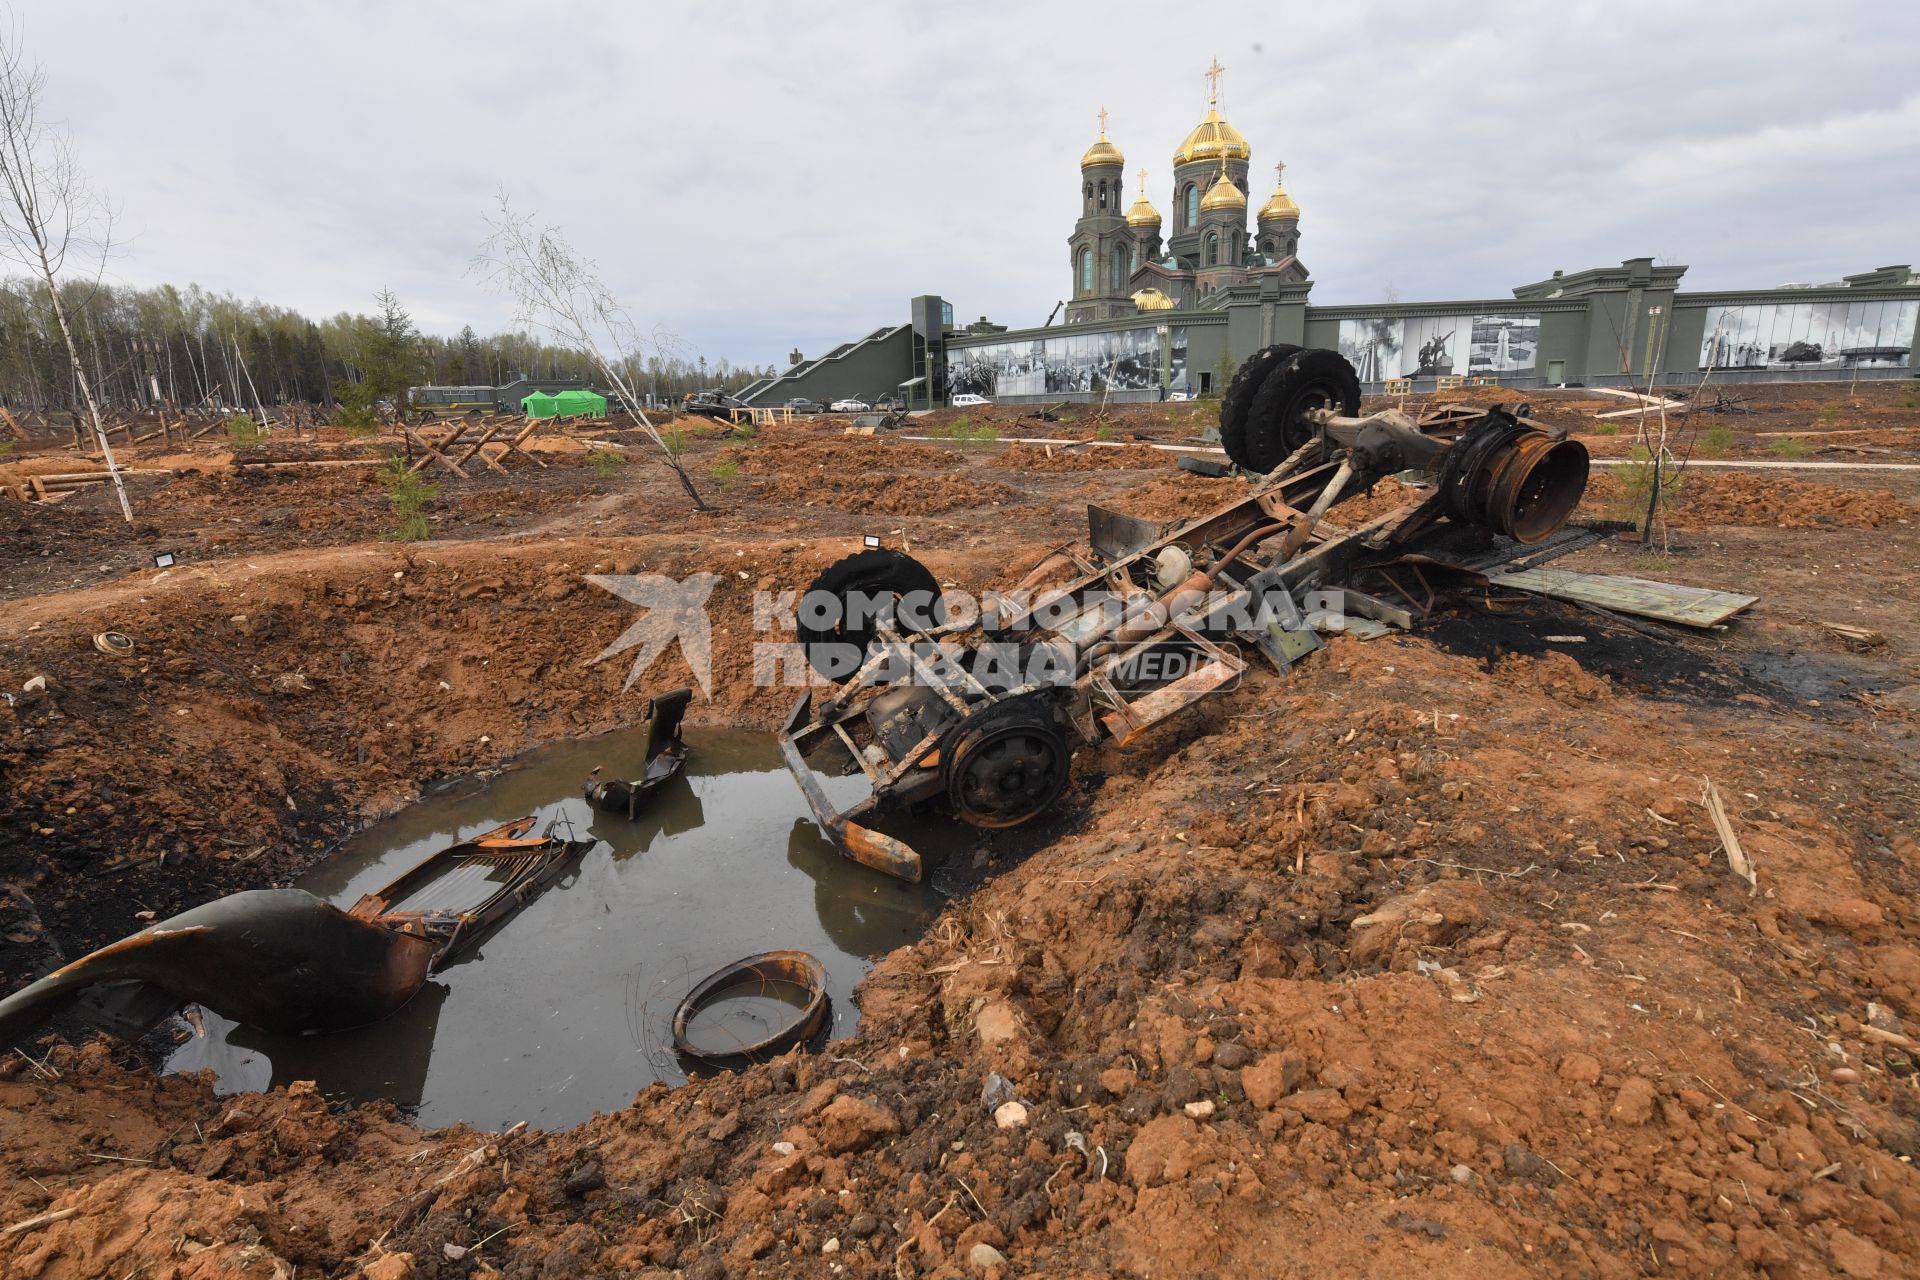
{"points": [[756, 177]]}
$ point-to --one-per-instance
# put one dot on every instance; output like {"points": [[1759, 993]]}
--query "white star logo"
{"points": [[675, 610]]}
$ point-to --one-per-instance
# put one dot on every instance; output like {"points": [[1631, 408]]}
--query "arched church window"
{"points": [[1119, 267], [1191, 201], [1213, 249], [1089, 197], [1086, 271]]}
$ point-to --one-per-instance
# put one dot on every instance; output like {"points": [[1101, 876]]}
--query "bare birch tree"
{"points": [[48, 212], [559, 292]]}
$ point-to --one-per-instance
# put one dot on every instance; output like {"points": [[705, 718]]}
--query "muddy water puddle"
{"points": [[566, 1009]]}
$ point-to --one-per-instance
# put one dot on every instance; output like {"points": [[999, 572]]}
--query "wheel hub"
{"points": [[1005, 774]]}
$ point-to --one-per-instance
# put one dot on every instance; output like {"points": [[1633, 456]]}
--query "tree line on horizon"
{"points": [[194, 347]]}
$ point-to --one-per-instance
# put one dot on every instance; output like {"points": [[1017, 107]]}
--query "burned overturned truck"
{"points": [[980, 710]]}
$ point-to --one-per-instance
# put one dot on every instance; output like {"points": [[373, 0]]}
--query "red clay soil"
{"points": [[1055, 459], [1707, 498], [1424, 960]]}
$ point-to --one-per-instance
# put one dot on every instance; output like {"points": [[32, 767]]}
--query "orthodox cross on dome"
{"points": [[1143, 181], [1214, 72], [1103, 122], [1280, 174]]}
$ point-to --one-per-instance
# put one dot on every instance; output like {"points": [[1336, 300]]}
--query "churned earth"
{"points": [[1424, 959]]}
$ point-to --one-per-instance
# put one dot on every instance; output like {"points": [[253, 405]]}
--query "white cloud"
{"points": [[757, 177]]}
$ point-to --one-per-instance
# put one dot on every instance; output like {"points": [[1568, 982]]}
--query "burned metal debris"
{"points": [[753, 1008], [457, 894], [981, 714], [286, 961], [663, 757], [280, 959]]}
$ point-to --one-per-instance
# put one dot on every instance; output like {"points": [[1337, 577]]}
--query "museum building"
{"points": [[1152, 314]]}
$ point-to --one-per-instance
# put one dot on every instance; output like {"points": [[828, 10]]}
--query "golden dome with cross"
{"points": [[1102, 151], [1143, 214], [1213, 138], [1279, 204]]}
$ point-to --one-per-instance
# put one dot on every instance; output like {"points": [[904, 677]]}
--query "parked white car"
{"points": [[849, 406], [969, 399]]}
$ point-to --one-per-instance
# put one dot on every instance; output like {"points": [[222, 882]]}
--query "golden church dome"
{"points": [[1143, 214], [1212, 139], [1223, 195], [1103, 152], [1152, 300], [1279, 205]]}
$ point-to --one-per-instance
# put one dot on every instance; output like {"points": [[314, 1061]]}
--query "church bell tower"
{"points": [[1100, 250]]}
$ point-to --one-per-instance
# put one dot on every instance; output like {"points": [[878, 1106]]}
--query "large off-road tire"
{"points": [[1275, 425], [1240, 392], [837, 644], [1005, 764]]}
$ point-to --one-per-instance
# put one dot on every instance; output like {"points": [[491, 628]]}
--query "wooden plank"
{"points": [[477, 445], [1620, 394], [1661, 601], [1651, 409], [433, 450], [1143, 713], [1737, 860], [513, 445]]}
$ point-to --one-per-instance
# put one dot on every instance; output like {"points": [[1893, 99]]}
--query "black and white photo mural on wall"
{"points": [[1124, 360], [1439, 346], [1436, 346], [1504, 344], [1373, 347], [1810, 335]]}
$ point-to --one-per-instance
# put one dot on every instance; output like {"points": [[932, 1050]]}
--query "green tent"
{"points": [[540, 405], [580, 404]]}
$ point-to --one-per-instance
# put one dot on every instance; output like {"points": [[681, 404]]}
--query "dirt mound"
{"points": [[1709, 498], [891, 495], [1788, 503], [1175, 495], [846, 458], [1039, 460]]}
